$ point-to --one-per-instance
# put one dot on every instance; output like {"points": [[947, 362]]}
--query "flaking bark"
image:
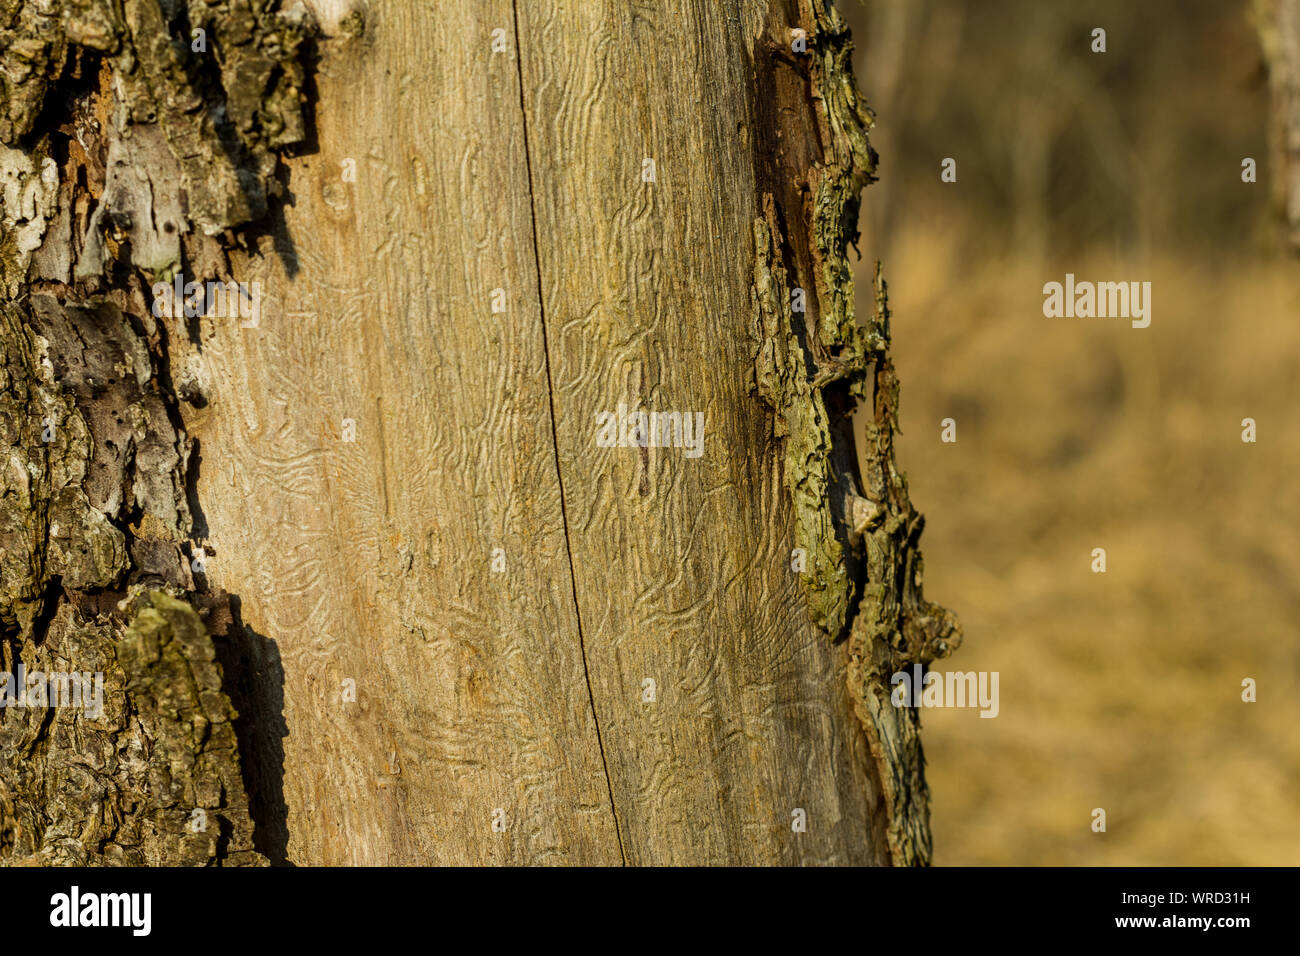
{"points": [[152, 780], [136, 138], [859, 532]]}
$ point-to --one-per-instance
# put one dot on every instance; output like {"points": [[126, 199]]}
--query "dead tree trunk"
{"points": [[1278, 24], [402, 516]]}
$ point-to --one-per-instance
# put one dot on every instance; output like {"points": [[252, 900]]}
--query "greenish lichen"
{"points": [[794, 375], [849, 165], [147, 776], [894, 627], [783, 382]]}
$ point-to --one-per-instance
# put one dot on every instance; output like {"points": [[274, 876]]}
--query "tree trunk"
{"points": [[464, 614], [1278, 24]]}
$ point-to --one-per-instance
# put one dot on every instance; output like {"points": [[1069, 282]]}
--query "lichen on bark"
{"points": [[222, 79], [895, 627], [856, 526], [801, 420], [154, 779], [138, 140]]}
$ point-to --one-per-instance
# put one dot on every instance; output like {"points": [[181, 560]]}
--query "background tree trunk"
{"points": [[1278, 23], [462, 629]]}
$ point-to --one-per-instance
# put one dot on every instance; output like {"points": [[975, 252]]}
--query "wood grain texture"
{"points": [[477, 430]]}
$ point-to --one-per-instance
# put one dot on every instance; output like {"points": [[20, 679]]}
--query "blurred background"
{"points": [[1119, 690]]}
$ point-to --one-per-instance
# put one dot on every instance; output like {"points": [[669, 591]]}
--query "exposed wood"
{"points": [[372, 560], [683, 565]]}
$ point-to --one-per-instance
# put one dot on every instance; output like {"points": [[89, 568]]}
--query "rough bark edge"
{"points": [[864, 567], [224, 109], [154, 778], [119, 139]]}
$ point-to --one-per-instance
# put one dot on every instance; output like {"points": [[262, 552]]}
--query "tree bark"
{"points": [[374, 538]]}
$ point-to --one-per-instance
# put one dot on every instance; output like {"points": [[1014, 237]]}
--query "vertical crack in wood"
{"points": [[555, 439]]}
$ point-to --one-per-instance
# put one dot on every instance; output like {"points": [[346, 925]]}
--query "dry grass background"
{"points": [[1118, 690]]}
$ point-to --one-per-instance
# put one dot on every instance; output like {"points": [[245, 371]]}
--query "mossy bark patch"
{"points": [[150, 777]]}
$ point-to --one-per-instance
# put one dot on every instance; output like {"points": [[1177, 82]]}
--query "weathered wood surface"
{"points": [[683, 565], [372, 560]]}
